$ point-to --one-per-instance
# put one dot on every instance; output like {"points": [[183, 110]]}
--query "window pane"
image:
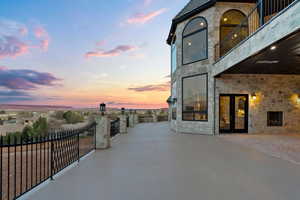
{"points": [[173, 58], [195, 47], [194, 25], [195, 98]]}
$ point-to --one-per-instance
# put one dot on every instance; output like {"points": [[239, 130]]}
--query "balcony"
{"points": [[248, 43], [151, 162]]}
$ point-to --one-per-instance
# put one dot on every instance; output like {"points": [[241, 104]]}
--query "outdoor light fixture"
{"points": [[273, 47], [225, 19], [174, 100], [201, 24], [253, 96], [102, 108], [189, 43], [123, 111]]}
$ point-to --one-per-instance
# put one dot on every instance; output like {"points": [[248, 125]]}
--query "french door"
{"points": [[233, 111]]}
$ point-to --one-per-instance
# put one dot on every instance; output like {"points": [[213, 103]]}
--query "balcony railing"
{"points": [[262, 12], [26, 162], [114, 127]]}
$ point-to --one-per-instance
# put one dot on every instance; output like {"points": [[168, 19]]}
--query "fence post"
{"points": [[78, 146], [102, 132]]}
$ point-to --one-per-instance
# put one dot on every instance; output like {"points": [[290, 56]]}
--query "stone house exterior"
{"points": [[235, 67]]}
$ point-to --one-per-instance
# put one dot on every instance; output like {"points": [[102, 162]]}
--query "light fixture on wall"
{"points": [[298, 99], [253, 96], [273, 47], [225, 19]]}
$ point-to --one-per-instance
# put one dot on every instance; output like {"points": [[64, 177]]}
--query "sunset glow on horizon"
{"points": [[84, 52]]}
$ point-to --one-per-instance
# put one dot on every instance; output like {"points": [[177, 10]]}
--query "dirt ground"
{"points": [[286, 147], [25, 170]]}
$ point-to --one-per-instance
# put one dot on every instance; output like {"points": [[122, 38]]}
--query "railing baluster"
{"points": [[1, 165], [8, 168], [21, 164], [15, 167]]}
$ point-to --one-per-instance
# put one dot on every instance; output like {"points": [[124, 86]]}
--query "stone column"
{"points": [[136, 118], [131, 120], [123, 124], [102, 132], [154, 115]]}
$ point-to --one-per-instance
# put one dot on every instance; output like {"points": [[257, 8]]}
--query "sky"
{"points": [[84, 52]]}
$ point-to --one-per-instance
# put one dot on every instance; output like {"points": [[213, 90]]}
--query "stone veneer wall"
{"points": [[274, 93], [213, 16]]}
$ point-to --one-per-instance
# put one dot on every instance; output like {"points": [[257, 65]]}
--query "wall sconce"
{"points": [[253, 96], [174, 100], [298, 99]]}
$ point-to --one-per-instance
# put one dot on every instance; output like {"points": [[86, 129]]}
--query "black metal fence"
{"points": [[261, 13], [127, 121], [27, 162], [114, 127]]}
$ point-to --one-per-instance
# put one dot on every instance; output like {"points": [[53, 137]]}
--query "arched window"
{"points": [[230, 34], [194, 41]]}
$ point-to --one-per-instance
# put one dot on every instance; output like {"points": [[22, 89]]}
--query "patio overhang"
{"points": [[282, 57], [254, 56]]}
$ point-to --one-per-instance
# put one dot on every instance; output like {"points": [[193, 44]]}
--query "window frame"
{"points": [[174, 104], [173, 47], [190, 34], [230, 26], [182, 102]]}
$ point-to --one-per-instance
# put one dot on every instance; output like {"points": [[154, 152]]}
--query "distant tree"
{"points": [[2, 112], [40, 127], [73, 117], [27, 132], [149, 112], [59, 115]]}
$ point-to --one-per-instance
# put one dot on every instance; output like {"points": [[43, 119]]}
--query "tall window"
{"points": [[194, 41], [173, 57], [194, 94], [230, 36], [174, 102]]}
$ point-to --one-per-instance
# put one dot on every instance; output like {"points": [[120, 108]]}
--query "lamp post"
{"points": [[102, 108]]}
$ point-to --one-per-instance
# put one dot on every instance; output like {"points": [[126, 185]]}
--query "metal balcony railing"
{"points": [[26, 162], [262, 12]]}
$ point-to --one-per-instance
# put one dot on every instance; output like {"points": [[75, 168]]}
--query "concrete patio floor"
{"points": [[284, 146], [153, 163]]}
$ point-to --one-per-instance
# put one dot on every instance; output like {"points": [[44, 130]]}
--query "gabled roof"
{"points": [[191, 9], [192, 5]]}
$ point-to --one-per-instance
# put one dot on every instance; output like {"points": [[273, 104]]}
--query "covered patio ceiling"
{"points": [[282, 57]]}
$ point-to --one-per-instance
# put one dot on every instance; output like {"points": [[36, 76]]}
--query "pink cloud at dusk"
{"points": [[11, 46], [14, 41], [24, 79], [154, 87], [142, 18], [111, 53], [43, 36]]}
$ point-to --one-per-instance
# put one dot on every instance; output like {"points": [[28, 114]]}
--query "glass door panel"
{"points": [[225, 113], [240, 112], [234, 113]]}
